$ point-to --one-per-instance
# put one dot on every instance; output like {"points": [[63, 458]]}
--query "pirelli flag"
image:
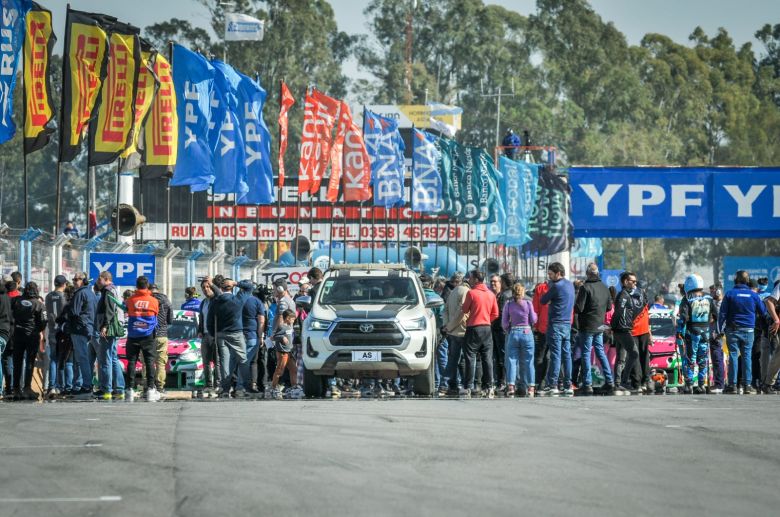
{"points": [[84, 67], [39, 112], [161, 129], [111, 131], [145, 89]]}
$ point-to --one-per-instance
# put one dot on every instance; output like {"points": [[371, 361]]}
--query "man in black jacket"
{"points": [[225, 324], [164, 318], [6, 320], [81, 327], [592, 303], [627, 363], [108, 323], [29, 316]]}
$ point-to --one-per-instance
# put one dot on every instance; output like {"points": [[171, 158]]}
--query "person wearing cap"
{"points": [[164, 319], [225, 323], [55, 302], [455, 331], [109, 327], [81, 326], [253, 322]]}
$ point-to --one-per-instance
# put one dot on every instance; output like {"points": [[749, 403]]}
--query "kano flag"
{"points": [[39, 113], [145, 88], [318, 117], [161, 129], [110, 133], [357, 167], [337, 154], [285, 104], [84, 67]]}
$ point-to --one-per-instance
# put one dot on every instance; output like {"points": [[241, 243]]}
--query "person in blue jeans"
{"points": [[109, 327], [591, 306], [517, 319], [737, 319], [5, 327], [560, 297], [253, 321], [81, 319]]}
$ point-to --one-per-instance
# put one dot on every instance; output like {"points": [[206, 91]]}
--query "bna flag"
{"points": [[257, 142], [319, 115], [111, 131], [385, 150], [518, 189], [285, 104], [83, 70], [12, 28], [161, 129], [39, 114], [550, 227], [146, 85], [225, 135], [193, 81], [426, 181]]}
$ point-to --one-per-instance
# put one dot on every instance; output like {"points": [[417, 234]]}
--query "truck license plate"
{"points": [[366, 356]]}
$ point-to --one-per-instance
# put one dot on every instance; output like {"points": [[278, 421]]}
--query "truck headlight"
{"points": [[418, 324], [319, 324]]}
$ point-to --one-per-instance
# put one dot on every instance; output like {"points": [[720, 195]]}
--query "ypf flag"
{"points": [[225, 135], [286, 102], [12, 29], [161, 129], [146, 85], [257, 142], [426, 181], [385, 149], [319, 115], [193, 81], [111, 131], [39, 113], [84, 67]]}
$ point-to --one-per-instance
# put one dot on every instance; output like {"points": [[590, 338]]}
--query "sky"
{"points": [[635, 18]]}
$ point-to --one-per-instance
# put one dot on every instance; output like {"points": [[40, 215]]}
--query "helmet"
{"points": [[693, 282]]}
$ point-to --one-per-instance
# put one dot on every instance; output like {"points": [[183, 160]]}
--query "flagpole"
{"points": [[360, 234], [58, 202], [436, 243], [192, 210], [344, 205], [387, 241], [373, 229], [118, 186], [213, 221], [279, 181], [24, 153], [169, 176], [235, 224]]}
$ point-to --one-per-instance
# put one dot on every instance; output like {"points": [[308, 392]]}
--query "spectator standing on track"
{"points": [[772, 303], [6, 319], [738, 312], [109, 324], [716, 344], [55, 303], [560, 297], [208, 347], [592, 304], [142, 310], [226, 325], [283, 336], [540, 334], [29, 316], [455, 332], [642, 336], [697, 314], [164, 319], [517, 319], [6, 358], [626, 362], [253, 323], [503, 296], [191, 300], [441, 347], [482, 308], [81, 326]]}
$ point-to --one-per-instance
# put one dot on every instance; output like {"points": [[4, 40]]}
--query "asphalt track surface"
{"points": [[656, 455]]}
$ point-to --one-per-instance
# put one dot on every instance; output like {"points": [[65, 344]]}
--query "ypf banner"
{"points": [[676, 202]]}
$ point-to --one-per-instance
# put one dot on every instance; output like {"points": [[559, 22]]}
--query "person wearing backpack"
{"points": [[109, 326]]}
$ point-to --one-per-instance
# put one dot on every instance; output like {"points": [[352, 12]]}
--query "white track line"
{"points": [[86, 445], [101, 499]]}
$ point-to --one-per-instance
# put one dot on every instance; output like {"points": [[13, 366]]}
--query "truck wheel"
{"points": [[424, 383], [312, 384]]}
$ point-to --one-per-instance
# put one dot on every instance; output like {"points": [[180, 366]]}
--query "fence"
{"points": [[40, 256]]}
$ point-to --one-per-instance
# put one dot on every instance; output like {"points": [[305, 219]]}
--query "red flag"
{"points": [[285, 104], [357, 167], [320, 113], [337, 153]]}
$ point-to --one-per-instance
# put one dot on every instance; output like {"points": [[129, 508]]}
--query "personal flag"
{"points": [[193, 81], [285, 104], [12, 28], [39, 112], [111, 131], [320, 113], [161, 129], [257, 142], [84, 68], [385, 149], [146, 86], [426, 181], [518, 190], [225, 135]]}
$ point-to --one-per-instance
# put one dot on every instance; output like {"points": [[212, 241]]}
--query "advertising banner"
{"points": [[757, 267]]}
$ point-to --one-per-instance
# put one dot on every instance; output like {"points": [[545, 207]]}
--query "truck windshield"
{"points": [[366, 290]]}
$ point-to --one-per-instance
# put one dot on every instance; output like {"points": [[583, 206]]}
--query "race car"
{"points": [[184, 369], [664, 356]]}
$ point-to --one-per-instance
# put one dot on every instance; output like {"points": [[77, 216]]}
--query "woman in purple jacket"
{"points": [[517, 319]]}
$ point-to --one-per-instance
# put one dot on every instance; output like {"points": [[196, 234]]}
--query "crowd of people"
{"points": [[495, 337]]}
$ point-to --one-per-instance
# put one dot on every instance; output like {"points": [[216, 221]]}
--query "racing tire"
{"points": [[312, 384], [425, 382]]}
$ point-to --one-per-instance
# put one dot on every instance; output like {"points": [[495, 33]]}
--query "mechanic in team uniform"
{"points": [[697, 313]]}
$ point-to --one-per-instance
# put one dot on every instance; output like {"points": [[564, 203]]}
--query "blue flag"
{"points": [[228, 143], [426, 181], [386, 152], [494, 202], [518, 190], [193, 81], [257, 143], [11, 40]]}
